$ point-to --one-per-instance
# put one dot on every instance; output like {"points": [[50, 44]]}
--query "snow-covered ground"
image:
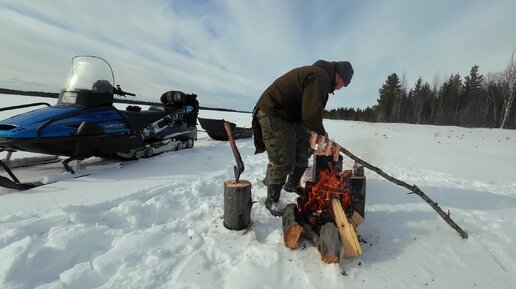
{"points": [[157, 223]]}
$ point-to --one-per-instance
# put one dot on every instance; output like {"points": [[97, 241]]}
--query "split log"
{"points": [[347, 234], [327, 243], [237, 204], [329, 246], [291, 228]]}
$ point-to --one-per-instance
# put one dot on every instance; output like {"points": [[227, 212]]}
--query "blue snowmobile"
{"points": [[84, 123]]}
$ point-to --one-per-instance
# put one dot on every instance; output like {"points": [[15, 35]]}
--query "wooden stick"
{"points": [[348, 236], [413, 188]]}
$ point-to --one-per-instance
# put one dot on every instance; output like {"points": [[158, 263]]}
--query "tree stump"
{"points": [[329, 245], [237, 204], [291, 228]]}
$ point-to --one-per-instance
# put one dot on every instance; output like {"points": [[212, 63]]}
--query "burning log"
{"points": [[320, 211], [324, 206], [347, 233], [318, 142], [291, 228], [327, 241]]}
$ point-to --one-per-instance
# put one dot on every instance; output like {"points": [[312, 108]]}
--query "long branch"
{"points": [[413, 188]]}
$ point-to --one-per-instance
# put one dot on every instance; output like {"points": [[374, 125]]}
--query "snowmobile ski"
{"points": [[14, 182]]}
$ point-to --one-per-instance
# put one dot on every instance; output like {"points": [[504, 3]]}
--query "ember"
{"points": [[317, 197]]}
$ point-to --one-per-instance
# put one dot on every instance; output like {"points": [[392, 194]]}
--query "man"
{"points": [[285, 113]]}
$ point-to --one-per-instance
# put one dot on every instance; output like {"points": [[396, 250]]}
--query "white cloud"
{"points": [[229, 51]]}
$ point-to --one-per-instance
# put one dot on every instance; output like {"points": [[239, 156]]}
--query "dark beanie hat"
{"points": [[345, 70]]}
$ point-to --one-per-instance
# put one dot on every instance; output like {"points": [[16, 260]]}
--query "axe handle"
{"points": [[240, 165]]}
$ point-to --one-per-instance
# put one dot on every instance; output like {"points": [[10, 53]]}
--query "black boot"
{"points": [[293, 180], [273, 196]]}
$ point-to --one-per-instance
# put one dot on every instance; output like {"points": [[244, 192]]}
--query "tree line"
{"points": [[473, 101]]}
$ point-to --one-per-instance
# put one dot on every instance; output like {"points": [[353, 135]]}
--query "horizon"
{"points": [[229, 52]]}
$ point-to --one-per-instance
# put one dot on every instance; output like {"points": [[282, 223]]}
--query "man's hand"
{"points": [[323, 145], [317, 142]]}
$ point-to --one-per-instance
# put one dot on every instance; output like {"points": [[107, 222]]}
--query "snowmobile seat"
{"points": [[140, 119]]}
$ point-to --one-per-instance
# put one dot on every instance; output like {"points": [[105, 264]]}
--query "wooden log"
{"points": [[347, 234], [237, 204], [329, 246], [291, 228], [356, 220], [327, 243], [309, 232]]}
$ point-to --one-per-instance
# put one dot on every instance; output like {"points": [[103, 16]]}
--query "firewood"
{"points": [[347, 234], [237, 204], [291, 228], [329, 246], [309, 232], [356, 220], [327, 243]]}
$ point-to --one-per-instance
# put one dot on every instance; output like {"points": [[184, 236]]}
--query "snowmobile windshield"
{"points": [[90, 83]]}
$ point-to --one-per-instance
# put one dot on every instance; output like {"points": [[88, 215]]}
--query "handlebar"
{"points": [[120, 92]]}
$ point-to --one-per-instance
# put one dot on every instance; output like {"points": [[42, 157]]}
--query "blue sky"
{"points": [[229, 51]]}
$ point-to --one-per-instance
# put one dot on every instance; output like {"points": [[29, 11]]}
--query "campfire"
{"points": [[329, 208]]}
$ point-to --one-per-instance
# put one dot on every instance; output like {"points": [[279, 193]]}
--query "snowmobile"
{"points": [[84, 123]]}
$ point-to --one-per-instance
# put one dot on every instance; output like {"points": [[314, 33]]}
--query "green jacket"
{"points": [[300, 95]]}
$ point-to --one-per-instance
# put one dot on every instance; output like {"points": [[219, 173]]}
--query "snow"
{"points": [[157, 222]]}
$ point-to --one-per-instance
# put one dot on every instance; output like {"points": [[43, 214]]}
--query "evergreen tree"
{"points": [[474, 99], [449, 95], [389, 93]]}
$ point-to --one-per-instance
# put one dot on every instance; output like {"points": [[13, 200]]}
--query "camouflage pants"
{"points": [[287, 146]]}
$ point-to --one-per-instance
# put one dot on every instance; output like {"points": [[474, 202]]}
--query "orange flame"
{"points": [[329, 186]]}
